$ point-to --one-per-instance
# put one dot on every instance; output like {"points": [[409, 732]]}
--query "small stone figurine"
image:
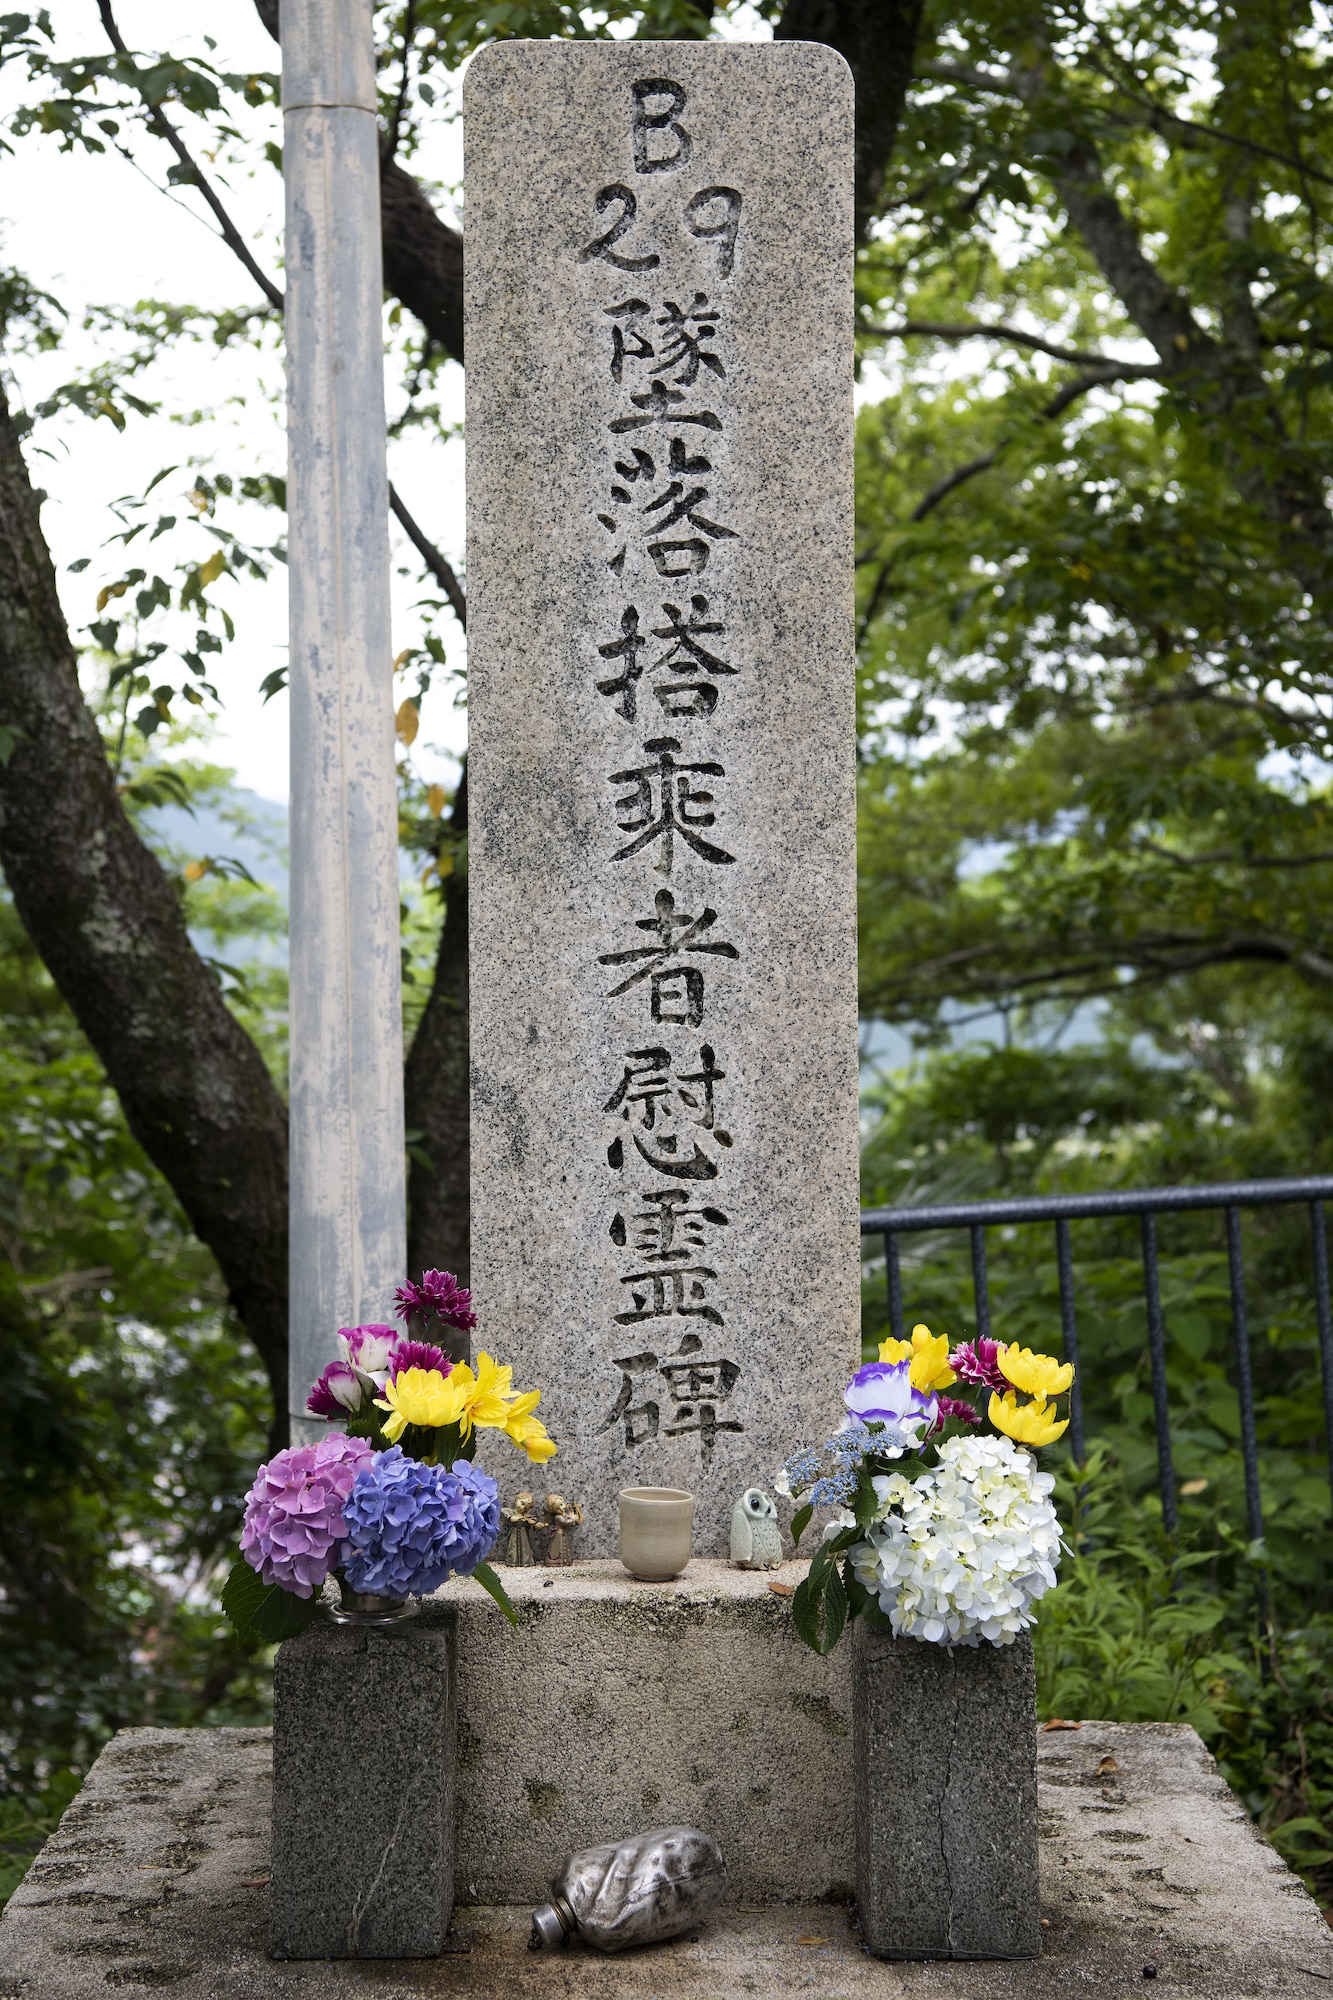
{"points": [[756, 1539], [522, 1519], [562, 1517]]}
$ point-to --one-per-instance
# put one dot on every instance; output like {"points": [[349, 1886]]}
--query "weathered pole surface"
{"points": [[347, 1177]]}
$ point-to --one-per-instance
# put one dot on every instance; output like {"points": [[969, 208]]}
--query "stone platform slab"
{"points": [[155, 1880]]}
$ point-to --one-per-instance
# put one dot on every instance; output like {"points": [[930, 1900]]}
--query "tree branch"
{"points": [[1233, 859], [1013, 336], [112, 931], [231, 236], [437, 564]]}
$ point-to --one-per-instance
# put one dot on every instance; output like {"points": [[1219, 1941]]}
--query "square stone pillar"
{"points": [[944, 1755], [364, 1722]]}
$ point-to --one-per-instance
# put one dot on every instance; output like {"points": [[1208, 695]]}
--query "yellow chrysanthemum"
{"points": [[1025, 1423], [488, 1404], [424, 1396], [929, 1355], [1035, 1374]]}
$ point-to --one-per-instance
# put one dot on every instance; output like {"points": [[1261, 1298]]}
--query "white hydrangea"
{"points": [[962, 1553]]}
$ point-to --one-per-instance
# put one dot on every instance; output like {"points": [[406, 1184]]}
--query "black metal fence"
{"points": [[1147, 1203]]}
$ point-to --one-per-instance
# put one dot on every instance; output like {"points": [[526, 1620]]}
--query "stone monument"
{"points": [[662, 870]]}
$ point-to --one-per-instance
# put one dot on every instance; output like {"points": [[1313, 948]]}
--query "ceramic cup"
{"points": [[655, 1525]]}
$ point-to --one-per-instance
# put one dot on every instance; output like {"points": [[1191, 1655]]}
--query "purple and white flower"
{"points": [[338, 1390], [882, 1393], [368, 1349]]}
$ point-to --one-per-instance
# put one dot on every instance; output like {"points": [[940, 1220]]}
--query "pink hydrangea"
{"points": [[295, 1528]]}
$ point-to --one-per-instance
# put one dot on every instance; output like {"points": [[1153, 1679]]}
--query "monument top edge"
{"points": [[498, 59]]}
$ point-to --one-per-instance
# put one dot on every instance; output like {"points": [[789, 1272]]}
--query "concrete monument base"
{"points": [[158, 1879], [620, 1705]]}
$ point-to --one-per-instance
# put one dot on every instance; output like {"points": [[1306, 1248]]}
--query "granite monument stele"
{"points": [[658, 259]]}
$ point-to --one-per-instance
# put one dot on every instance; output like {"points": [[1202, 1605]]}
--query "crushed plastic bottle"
{"points": [[637, 1891]]}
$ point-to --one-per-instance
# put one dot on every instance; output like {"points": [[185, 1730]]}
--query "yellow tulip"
{"points": [[929, 1356], [1025, 1423], [424, 1396], [1035, 1374]]}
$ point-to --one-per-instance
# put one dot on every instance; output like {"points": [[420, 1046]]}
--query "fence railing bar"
{"points": [[980, 1283], [893, 1271], [1166, 1474], [1325, 1320], [1120, 1201], [1240, 1332], [1069, 1330]]}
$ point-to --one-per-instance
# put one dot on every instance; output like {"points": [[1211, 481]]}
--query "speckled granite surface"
{"points": [[155, 1880], [662, 767]]}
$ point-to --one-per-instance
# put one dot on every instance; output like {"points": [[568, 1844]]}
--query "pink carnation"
{"points": [[295, 1528], [977, 1361]]}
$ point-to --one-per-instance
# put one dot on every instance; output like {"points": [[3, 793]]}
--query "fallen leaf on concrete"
{"points": [[256, 1882], [1107, 1764], [783, 1589], [812, 1940], [1055, 1722]]}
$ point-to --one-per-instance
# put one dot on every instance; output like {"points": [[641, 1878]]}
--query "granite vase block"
{"points": [[364, 1725], [944, 1752]]}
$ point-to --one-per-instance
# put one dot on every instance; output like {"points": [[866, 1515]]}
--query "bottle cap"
{"points": [[548, 1927]]}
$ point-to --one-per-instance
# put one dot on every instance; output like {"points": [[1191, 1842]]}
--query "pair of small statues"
{"points": [[562, 1517]]}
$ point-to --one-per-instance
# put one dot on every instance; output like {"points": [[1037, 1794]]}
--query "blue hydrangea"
{"points": [[410, 1526]]}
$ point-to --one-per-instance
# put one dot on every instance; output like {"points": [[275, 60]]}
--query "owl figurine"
{"points": [[756, 1539]]}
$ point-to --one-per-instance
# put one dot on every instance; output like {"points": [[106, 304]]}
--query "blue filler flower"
{"points": [[410, 1525]]}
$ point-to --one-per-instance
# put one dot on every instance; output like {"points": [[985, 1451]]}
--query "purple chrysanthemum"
{"points": [[337, 1391], [418, 1354], [410, 1525], [954, 1406], [295, 1527], [439, 1292], [977, 1361]]}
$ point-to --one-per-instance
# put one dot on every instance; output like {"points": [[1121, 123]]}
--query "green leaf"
{"points": [[835, 1610], [805, 1607], [800, 1521], [491, 1583], [10, 736], [264, 1613]]}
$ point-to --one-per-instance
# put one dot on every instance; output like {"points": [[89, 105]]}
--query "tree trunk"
{"points": [[110, 926], [437, 1098]]}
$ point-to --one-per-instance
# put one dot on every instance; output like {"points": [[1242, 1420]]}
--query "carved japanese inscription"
{"points": [[662, 862]]}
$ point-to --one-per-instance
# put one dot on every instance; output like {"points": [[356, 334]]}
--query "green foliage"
{"points": [[133, 1416]]}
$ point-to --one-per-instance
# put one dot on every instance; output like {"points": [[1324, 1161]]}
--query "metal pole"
{"points": [[1064, 1261], [1324, 1316], [347, 1173], [1166, 1475]]}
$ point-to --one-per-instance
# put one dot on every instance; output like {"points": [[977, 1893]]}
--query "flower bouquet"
{"points": [[943, 1531], [391, 1505]]}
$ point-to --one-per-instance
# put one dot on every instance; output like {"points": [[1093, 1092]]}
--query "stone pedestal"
{"points": [[363, 1790], [620, 1705], [945, 1774]]}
